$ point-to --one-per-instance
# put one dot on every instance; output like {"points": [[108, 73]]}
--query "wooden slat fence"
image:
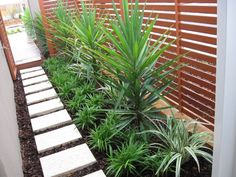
{"points": [[7, 49], [193, 22]]}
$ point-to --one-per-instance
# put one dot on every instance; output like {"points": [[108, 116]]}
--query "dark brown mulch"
{"points": [[30, 156], [31, 164]]}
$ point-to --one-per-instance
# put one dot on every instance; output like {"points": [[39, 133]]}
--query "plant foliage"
{"points": [[131, 65], [106, 134], [179, 141], [127, 159], [29, 23]]}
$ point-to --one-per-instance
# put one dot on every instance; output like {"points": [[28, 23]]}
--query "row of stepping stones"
{"points": [[47, 112]]}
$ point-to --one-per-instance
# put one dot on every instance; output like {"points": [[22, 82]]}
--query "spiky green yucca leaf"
{"points": [[180, 142], [40, 34], [28, 23], [83, 31], [59, 26], [131, 62]]}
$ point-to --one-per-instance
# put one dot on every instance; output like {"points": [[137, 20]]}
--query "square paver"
{"points": [[67, 161], [45, 107], [41, 96], [50, 120], [34, 80], [30, 69], [37, 87], [32, 74], [55, 138], [99, 173]]}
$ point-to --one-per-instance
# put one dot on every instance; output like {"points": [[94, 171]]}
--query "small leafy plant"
{"points": [[106, 134], [179, 141], [127, 159], [53, 64], [86, 117], [96, 99]]}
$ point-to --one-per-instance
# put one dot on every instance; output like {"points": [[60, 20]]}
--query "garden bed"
{"points": [[110, 79], [30, 157]]}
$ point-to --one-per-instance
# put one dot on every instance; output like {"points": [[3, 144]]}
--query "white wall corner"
{"points": [[224, 162], [33, 7]]}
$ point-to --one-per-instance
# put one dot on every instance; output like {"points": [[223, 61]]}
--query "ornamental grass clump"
{"points": [[128, 159], [178, 142], [106, 135], [131, 66], [86, 117]]}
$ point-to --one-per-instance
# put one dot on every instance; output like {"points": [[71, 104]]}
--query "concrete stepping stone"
{"points": [[99, 173], [37, 87], [34, 80], [30, 69], [50, 120], [45, 107], [32, 74], [41, 96], [55, 138], [67, 161]]}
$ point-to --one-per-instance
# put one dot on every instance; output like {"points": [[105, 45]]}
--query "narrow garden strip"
{"points": [[42, 108], [109, 76]]}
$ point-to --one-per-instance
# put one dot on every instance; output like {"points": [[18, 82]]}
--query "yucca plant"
{"points": [[28, 23], [178, 142], [85, 32], [131, 66], [59, 26], [40, 35]]}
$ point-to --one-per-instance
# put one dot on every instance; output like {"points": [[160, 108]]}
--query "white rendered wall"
{"points": [[224, 163], [34, 7], [10, 157]]}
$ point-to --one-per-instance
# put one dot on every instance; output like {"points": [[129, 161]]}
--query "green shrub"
{"points": [[96, 99], [53, 64], [28, 23], [63, 20], [129, 159], [74, 35], [106, 134], [40, 35], [131, 66], [177, 145], [66, 90], [86, 117], [77, 102]]}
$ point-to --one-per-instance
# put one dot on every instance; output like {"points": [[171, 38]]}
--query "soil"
{"points": [[30, 156]]}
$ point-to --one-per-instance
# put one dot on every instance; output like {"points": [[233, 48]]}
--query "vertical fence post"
{"points": [[7, 49], [51, 47], [178, 52]]}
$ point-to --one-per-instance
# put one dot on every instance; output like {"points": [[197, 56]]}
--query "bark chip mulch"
{"points": [[31, 165], [30, 157]]}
